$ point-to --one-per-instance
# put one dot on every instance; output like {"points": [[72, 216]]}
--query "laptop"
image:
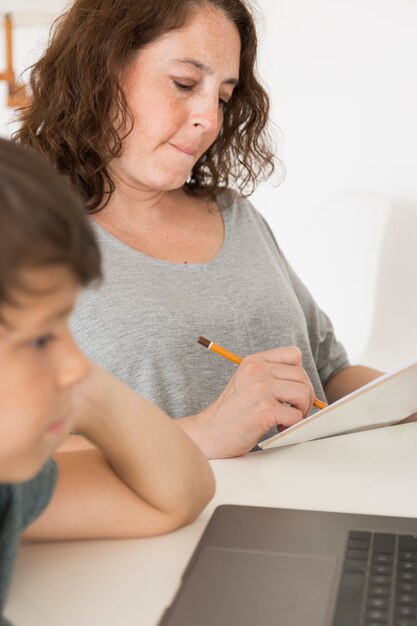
{"points": [[281, 567]]}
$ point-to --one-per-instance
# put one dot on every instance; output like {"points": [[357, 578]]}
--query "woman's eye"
{"points": [[41, 342], [186, 87], [182, 86]]}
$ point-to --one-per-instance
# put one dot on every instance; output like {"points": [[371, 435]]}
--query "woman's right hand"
{"points": [[268, 389]]}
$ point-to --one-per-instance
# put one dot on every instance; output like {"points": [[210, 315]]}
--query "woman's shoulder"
{"points": [[242, 217], [240, 209], [230, 200]]}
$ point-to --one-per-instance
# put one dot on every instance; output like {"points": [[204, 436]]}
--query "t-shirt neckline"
{"points": [[116, 242]]}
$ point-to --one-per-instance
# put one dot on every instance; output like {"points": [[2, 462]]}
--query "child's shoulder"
{"points": [[33, 496], [20, 504]]}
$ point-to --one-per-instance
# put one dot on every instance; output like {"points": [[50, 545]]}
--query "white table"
{"points": [[129, 583]]}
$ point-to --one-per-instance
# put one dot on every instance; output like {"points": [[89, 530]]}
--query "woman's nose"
{"points": [[206, 113]]}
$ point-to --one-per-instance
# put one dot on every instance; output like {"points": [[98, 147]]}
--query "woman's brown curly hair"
{"points": [[79, 117]]}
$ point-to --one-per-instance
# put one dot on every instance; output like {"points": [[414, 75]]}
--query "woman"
{"points": [[153, 111]]}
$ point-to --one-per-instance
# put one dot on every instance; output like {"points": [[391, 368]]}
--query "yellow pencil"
{"points": [[238, 360]]}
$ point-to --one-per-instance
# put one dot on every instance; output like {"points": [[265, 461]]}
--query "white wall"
{"points": [[342, 78]]}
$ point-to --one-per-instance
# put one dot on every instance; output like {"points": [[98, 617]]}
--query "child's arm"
{"points": [[145, 476]]}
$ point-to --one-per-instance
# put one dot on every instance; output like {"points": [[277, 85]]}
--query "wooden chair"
{"points": [[17, 94]]}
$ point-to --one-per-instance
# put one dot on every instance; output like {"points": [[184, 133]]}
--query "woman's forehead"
{"points": [[197, 44]]}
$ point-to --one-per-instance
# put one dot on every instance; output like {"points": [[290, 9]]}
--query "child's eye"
{"points": [[41, 342], [222, 103]]}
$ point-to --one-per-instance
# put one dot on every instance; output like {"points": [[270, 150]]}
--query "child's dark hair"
{"points": [[42, 222]]}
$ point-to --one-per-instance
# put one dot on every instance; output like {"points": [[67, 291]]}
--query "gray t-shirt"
{"points": [[20, 504], [143, 321]]}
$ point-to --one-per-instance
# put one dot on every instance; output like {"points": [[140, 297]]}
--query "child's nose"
{"points": [[74, 366]]}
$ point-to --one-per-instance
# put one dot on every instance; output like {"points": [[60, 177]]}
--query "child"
{"points": [[143, 476]]}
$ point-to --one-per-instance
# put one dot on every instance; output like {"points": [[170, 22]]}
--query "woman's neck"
{"points": [[172, 226]]}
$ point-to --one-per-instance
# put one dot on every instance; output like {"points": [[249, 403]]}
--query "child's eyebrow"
{"points": [[54, 317], [59, 315]]}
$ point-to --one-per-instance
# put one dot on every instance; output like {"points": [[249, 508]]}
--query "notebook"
{"points": [[281, 567], [385, 401]]}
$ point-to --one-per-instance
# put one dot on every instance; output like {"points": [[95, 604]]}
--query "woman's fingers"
{"points": [[296, 394], [268, 389], [287, 383], [290, 355]]}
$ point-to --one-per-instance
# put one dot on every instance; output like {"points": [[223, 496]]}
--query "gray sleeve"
{"points": [[329, 354], [35, 494], [20, 504]]}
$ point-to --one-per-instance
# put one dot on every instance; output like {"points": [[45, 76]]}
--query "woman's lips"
{"points": [[185, 149]]}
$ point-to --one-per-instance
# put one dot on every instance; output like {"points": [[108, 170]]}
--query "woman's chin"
{"points": [[173, 181]]}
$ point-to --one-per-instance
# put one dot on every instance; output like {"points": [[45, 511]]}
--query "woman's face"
{"points": [[177, 88]]}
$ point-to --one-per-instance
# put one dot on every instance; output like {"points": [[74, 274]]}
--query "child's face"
{"points": [[39, 365]]}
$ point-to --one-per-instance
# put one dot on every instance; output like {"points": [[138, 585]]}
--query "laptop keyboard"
{"points": [[378, 585]]}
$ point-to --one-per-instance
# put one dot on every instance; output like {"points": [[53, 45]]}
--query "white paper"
{"points": [[384, 401]]}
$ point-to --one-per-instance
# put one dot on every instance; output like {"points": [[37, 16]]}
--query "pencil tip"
{"points": [[204, 342]]}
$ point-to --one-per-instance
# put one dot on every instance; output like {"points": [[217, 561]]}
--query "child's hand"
{"points": [[92, 399]]}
